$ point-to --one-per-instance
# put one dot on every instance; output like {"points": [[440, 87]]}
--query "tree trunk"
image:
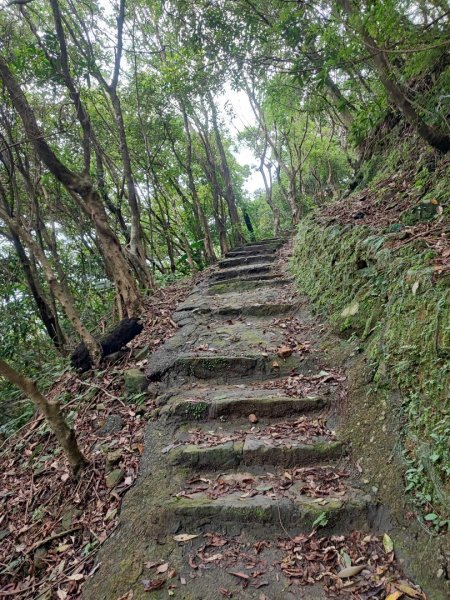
{"points": [[52, 413], [59, 289], [209, 248], [82, 189], [48, 317], [396, 92], [238, 238], [136, 245]]}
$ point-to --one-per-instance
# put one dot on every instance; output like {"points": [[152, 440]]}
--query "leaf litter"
{"points": [[52, 527], [314, 482], [356, 566]]}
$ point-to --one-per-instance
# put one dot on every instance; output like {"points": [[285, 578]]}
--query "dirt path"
{"points": [[245, 490]]}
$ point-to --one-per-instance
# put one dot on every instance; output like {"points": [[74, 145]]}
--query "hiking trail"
{"points": [[243, 459]]}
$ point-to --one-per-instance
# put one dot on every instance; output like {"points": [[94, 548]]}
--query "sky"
{"points": [[243, 117]]}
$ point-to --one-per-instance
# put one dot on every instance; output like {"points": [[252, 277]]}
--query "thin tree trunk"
{"points": [[209, 248], [52, 413], [82, 189], [396, 92], [48, 317], [238, 238], [59, 289]]}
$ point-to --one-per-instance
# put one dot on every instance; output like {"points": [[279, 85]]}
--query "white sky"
{"points": [[243, 117]]}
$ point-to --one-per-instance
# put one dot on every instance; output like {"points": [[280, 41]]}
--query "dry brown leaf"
{"points": [[185, 537], [351, 571], [162, 568], [239, 574]]}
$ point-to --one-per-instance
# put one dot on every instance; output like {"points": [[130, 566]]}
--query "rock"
{"points": [[114, 478], [112, 424], [135, 381], [115, 357], [112, 458], [153, 390]]}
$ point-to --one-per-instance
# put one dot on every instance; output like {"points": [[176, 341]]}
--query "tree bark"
{"points": [[396, 92], [81, 187], [238, 238], [46, 313], [52, 413]]}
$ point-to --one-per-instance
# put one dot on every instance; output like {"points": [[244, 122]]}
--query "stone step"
{"points": [[296, 499], [254, 451], [247, 259], [266, 301], [228, 367], [231, 310], [218, 402], [225, 349], [262, 249], [243, 285], [259, 271]]}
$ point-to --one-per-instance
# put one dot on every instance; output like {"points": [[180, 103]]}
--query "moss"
{"points": [[390, 299]]}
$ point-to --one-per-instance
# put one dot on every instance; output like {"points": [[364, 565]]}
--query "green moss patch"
{"points": [[391, 300]]}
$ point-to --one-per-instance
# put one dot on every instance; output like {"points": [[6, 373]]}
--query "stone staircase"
{"points": [[232, 454]]}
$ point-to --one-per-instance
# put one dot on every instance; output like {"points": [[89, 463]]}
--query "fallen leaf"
{"points": [[351, 571], [152, 584], [225, 593], [388, 543], [213, 558], [76, 577], [284, 351], [162, 568], [409, 591], [184, 537], [152, 563], [171, 574], [394, 596], [128, 596], [238, 574]]}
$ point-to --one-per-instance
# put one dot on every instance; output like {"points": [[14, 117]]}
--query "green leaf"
{"points": [[388, 543], [431, 517]]}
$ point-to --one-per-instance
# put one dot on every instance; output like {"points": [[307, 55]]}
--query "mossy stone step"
{"points": [[200, 404], [249, 259], [257, 249], [228, 368], [341, 514], [245, 272], [254, 451], [268, 309], [244, 285]]}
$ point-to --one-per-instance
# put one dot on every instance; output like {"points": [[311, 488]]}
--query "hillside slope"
{"points": [[377, 263]]}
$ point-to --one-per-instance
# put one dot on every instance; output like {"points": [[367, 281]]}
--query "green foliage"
{"points": [[399, 310]]}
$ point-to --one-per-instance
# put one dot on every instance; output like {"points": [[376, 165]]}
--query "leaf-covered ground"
{"points": [[51, 526]]}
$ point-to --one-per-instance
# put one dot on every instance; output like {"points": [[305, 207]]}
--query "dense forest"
{"points": [[120, 177]]}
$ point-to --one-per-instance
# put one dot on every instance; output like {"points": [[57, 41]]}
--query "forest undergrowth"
{"points": [[39, 504]]}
